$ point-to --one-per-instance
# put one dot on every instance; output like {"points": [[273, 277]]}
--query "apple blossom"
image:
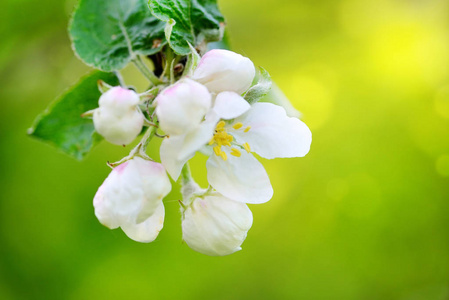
{"points": [[215, 225], [222, 70], [118, 118], [240, 129], [264, 129], [182, 106], [194, 104], [131, 198]]}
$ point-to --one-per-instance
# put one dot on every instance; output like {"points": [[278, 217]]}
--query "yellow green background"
{"points": [[365, 215]]}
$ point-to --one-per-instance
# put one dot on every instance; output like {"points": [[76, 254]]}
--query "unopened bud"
{"points": [[223, 70], [118, 118], [131, 195], [182, 106], [215, 225]]}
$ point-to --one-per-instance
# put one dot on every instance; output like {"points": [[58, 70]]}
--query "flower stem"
{"points": [[145, 71], [139, 149], [147, 138], [120, 79]]}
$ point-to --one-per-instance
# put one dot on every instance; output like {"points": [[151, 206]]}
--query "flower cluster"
{"points": [[205, 111]]}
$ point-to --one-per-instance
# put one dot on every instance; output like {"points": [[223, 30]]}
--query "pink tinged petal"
{"points": [[118, 118], [131, 193], [182, 106], [242, 179], [272, 133], [216, 225], [230, 105], [118, 99], [177, 150], [148, 230], [223, 70]]}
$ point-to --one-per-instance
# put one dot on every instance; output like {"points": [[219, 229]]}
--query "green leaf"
{"points": [[189, 21], [260, 89], [61, 123], [108, 34]]}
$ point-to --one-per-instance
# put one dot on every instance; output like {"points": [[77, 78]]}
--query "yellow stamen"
{"points": [[217, 150], [236, 152], [237, 125], [247, 147], [220, 125], [224, 156], [247, 129], [221, 137]]}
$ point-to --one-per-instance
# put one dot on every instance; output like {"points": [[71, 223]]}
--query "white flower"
{"points": [[181, 109], [233, 130], [118, 119], [223, 70], [263, 128], [215, 225], [131, 198], [182, 106]]}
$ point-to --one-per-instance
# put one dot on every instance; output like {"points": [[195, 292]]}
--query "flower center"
{"points": [[223, 138]]}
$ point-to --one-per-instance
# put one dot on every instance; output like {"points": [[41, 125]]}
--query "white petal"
{"points": [[118, 100], [118, 129], [131, 193], [148, 230], [242, 179], [118, 119], [216, 225], [230, 105], [273, 133], [223, 70], [156, 185], [182, 106], [177, 150], [103, 210]]}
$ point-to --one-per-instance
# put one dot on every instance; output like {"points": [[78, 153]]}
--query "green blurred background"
{"points": [[363, 216]]}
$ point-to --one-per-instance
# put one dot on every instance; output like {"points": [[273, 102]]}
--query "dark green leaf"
{"points": [[189, 21], [109, 34], [260, 89], [61, 123]]}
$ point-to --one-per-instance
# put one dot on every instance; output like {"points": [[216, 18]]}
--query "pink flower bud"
{"points": [[131, 198], [182, 106], [118, 118], [215, 225], [223, 70]]}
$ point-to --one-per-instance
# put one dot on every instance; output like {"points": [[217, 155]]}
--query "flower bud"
{"points": [[215, 225], [118, 118], [182, 106], [223, 70], [131, 195]]}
